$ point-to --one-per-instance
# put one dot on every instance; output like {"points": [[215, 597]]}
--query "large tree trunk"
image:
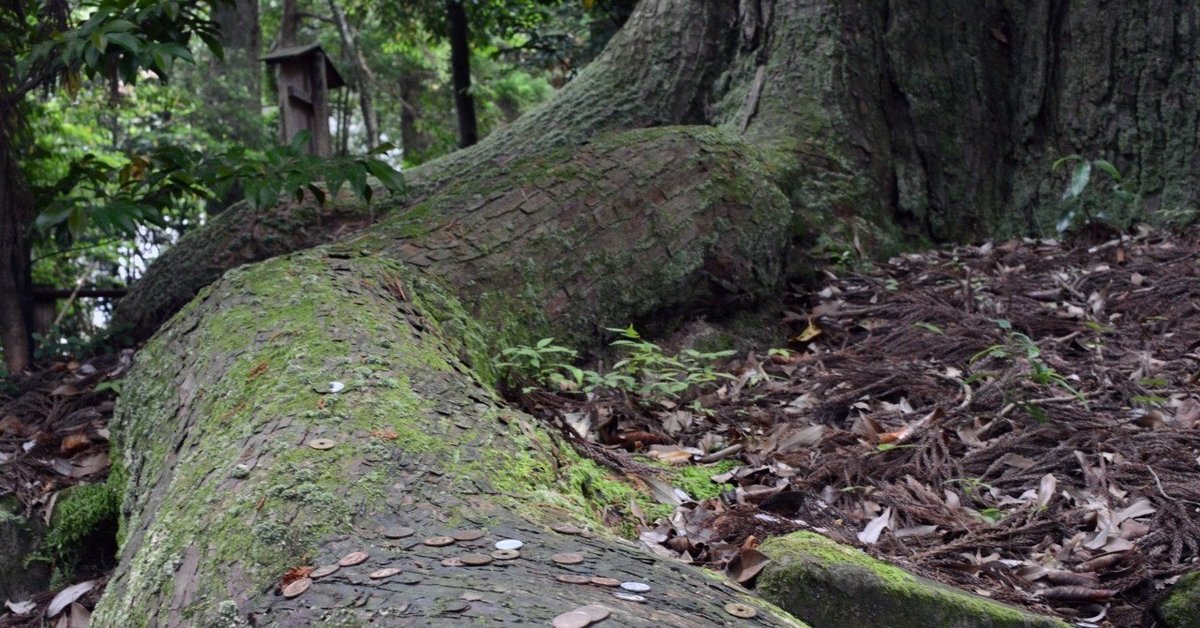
{"points": [[858, 122]]}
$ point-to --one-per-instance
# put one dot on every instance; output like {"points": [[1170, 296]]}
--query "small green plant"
{"points": [[646, 370], [542, 364], [1120, 214], [930, 327], [658, 376], [970, 486], [1019, 345]]}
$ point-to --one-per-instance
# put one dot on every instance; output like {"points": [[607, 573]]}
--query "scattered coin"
{"points": [[572, 619], [566, 528], [572, 578], [296, 587], [595, 612], [325, 570], [606, 582], [467, 535], [321, 443], [475, 560], [456, 606], [353, 558], [438, 541], [453, 561], [386, 572], [567, 558], [636, 587], [629, 597], [506, 554], [398, 532], [509, 544], [740, 610]]}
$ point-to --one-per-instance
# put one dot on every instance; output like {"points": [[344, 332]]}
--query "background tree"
{"points": [[141, 37]]}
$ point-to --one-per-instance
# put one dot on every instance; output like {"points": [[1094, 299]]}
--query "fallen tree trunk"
{"points": [[226, 491]]}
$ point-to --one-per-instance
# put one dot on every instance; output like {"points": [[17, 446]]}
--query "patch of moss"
{"points": [[695, 480], [829, 584], [1181, 607], [85, 521]]}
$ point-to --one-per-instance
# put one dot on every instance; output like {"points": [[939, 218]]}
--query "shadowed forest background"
{"points": [[657, 312]]}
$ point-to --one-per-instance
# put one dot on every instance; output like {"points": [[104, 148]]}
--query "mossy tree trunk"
{"points": [[775, 123]]}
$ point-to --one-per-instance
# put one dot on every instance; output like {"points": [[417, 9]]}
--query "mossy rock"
{"points": [[1181, 607], [828, 584], [19, 538]]}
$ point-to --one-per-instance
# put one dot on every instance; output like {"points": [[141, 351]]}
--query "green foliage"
{"points": [[1120, 211], [118, 199], [1016, 346], [544, 364], [645, 370], [653, 375], [119, 39]]}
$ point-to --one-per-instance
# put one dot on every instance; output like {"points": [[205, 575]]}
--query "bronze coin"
{"points": [[321, 572], [567, 558], [438, 541], [606, 582], [386, 572], [467, 535], [296, 587], [572, 619], [354, 558], [398, 532], [506, 554], [475, 560], [595, 612], [740, 610], [571, 578]]}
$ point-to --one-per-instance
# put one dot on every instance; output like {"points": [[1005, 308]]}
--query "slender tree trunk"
{"points": [[289, 23], [16, 285], [460, 71], [364, 79], [412, 141]]}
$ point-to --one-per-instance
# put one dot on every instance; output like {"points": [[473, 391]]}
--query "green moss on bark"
{"points": [[829, 584], [1181, 607]]}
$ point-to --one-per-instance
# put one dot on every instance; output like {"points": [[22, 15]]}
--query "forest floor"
{"points": [[1018, 419]]}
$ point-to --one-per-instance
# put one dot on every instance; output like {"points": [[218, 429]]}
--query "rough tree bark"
{"points": [[857, 122], [16, 290]]}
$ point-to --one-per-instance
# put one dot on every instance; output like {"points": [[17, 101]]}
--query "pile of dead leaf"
{"points": [[1018, 419], [54, 435]]}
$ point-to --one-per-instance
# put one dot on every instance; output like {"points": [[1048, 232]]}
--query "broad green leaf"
{"points": [[1108, 168], [1079, 180]]}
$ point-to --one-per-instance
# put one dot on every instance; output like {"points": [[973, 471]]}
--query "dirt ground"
{"points": [[1019, 419]]}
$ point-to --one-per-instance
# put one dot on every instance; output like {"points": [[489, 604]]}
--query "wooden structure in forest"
{"points": [[305, 76]]}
